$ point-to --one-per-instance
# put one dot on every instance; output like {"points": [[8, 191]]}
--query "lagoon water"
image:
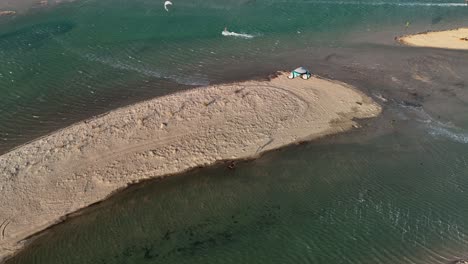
{"points": [[394, 191], [396, 199], [70, 61]]}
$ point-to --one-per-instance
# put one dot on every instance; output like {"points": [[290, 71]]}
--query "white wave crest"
{"points": [[441, 131]]}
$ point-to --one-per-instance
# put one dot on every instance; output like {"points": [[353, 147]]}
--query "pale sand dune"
{"points": [[7, 13], [72, 168], [449, 39]]}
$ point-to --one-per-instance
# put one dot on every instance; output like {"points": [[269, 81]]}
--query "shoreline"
{"points": [[456, 39], [89, 161], [7, 13]]}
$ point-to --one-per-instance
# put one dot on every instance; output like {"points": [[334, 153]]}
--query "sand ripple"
{"points": [[82, 164]]}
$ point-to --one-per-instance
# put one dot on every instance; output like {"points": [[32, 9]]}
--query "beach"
{"points": [[133, 134], [448, 39], [23, 6], [7, 13], [84, 163]]}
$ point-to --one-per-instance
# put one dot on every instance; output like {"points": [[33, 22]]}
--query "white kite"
{"points": [[167, 3]]}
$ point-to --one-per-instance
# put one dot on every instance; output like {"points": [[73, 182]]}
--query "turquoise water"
{"points": [[74, 60], [392, 192], [396, 199]]}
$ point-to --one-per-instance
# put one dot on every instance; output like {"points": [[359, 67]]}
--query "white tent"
{"points": [[302, 72]]}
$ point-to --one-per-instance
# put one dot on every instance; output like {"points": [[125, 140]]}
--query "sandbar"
{"points": [[448, 39], [7, 13], [44, 180]]}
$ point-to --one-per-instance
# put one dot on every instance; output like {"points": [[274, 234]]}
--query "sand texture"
{"points": [[449, 39], [22, 6], [79, 165], [7, 13]]}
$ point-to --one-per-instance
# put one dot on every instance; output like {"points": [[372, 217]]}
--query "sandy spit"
{"points": [[7, 13], [449, 39], [23, 5], [44, 180]]}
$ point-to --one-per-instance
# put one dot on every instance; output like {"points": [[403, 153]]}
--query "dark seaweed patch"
{"points": [[436, 20], [459, 84], [411, 104], [148, 253]]}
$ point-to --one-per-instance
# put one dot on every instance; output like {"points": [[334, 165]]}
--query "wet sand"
{"points": [[449, 39], [47, 179]]}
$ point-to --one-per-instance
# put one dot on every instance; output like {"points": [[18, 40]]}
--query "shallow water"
{"points": [[392, 192], [63, 63], [395, 199]]}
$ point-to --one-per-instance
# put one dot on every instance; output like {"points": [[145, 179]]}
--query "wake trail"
{"points": [[235, 34], [436, 128], [455, 136]]}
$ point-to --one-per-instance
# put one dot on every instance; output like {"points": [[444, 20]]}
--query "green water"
{"points": [[390, 200], [392, 192], [74, 60]]}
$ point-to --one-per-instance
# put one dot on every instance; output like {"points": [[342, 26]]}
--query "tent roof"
{"points": [[301, 70]]}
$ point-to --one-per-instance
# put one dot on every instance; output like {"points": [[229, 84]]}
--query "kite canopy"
{"points": [[166, 4]]}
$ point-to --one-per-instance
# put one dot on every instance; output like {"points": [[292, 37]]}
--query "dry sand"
{"points": [[7, 13], [449, 39], [72, 168], [21, 6]]}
